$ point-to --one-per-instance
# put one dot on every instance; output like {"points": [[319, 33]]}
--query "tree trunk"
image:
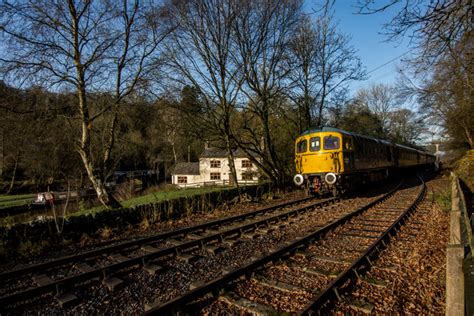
{"points": [[306, 107], [273, 156], [306, 115], [12, 182], [321, 106], [230, 157], [98, 180], [98, 183], [2, 153], [469, 137], [175, 157]]}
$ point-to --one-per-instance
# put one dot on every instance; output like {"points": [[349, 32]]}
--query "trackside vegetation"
{"points": [[50, 232]]}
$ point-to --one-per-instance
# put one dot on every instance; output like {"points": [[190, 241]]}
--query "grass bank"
{"points": [[15, 200], [154, 197]]}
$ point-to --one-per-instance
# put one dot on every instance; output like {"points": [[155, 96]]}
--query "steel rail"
{"points": [[6, 275], [357, 267], [216, 284], [60, 285]]}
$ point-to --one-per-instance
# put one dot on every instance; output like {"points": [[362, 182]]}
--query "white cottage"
{"points": [[213, 169]]}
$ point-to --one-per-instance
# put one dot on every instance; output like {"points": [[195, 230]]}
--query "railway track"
{"points": [[162, 256], [409, 269], [308, 273], [43, 278]]}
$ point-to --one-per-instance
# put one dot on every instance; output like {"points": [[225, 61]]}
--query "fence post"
{"points": [[455, 256]]}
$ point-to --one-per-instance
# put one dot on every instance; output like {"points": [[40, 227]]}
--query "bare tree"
{"points": [[263, 30], [304, 48], [200, 55], [441, 33], [88, 47], [380, 99], [324, 63], [434, 27], [358, 118], [405, 127], [446, 98]]}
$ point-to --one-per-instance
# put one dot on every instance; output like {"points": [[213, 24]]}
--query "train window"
{"points": [[331, 142], [347, 143], [301, 146], [315, 144]]}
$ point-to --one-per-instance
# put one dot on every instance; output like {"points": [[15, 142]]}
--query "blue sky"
{"points": [[366, 32]]}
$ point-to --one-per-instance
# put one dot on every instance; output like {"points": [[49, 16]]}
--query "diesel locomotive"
{"points": [[330, 160]]}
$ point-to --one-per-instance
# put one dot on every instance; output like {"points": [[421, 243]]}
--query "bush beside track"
{"points": [[42, 234], [464, 168]]}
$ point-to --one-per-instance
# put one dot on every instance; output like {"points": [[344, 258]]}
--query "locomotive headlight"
{"points": [[298, 179], [330, 178]]}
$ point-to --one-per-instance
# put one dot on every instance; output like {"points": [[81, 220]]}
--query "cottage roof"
{"points": [[186, 168], [213, 152]]}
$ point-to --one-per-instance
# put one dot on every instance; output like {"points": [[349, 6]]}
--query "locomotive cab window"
{"points": [[331, 143], [315, 144], [301, 146]]}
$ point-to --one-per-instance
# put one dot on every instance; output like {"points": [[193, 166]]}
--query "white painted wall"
{"points": [[192, 179], [206, 170], [240, 170]]}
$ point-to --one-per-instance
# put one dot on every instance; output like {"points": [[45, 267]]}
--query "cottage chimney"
{"points": [[206, 144]]}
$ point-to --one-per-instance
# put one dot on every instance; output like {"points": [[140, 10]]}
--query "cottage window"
{"points": [[215, 163], [215, 176], [246, 164], [182, 179]]}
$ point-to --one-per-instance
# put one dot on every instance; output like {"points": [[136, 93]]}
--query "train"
{"points": [[331, 161]]}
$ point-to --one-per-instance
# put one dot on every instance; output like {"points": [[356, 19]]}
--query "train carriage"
{"points": [[333, 160]]}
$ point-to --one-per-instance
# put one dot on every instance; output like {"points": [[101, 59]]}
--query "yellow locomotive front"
{"points": [[319, 158]]}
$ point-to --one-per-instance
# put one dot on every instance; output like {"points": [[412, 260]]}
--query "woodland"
{"points": [[91, 87]]}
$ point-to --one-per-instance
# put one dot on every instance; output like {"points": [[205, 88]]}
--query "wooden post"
{"points": [[455, 256]]}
